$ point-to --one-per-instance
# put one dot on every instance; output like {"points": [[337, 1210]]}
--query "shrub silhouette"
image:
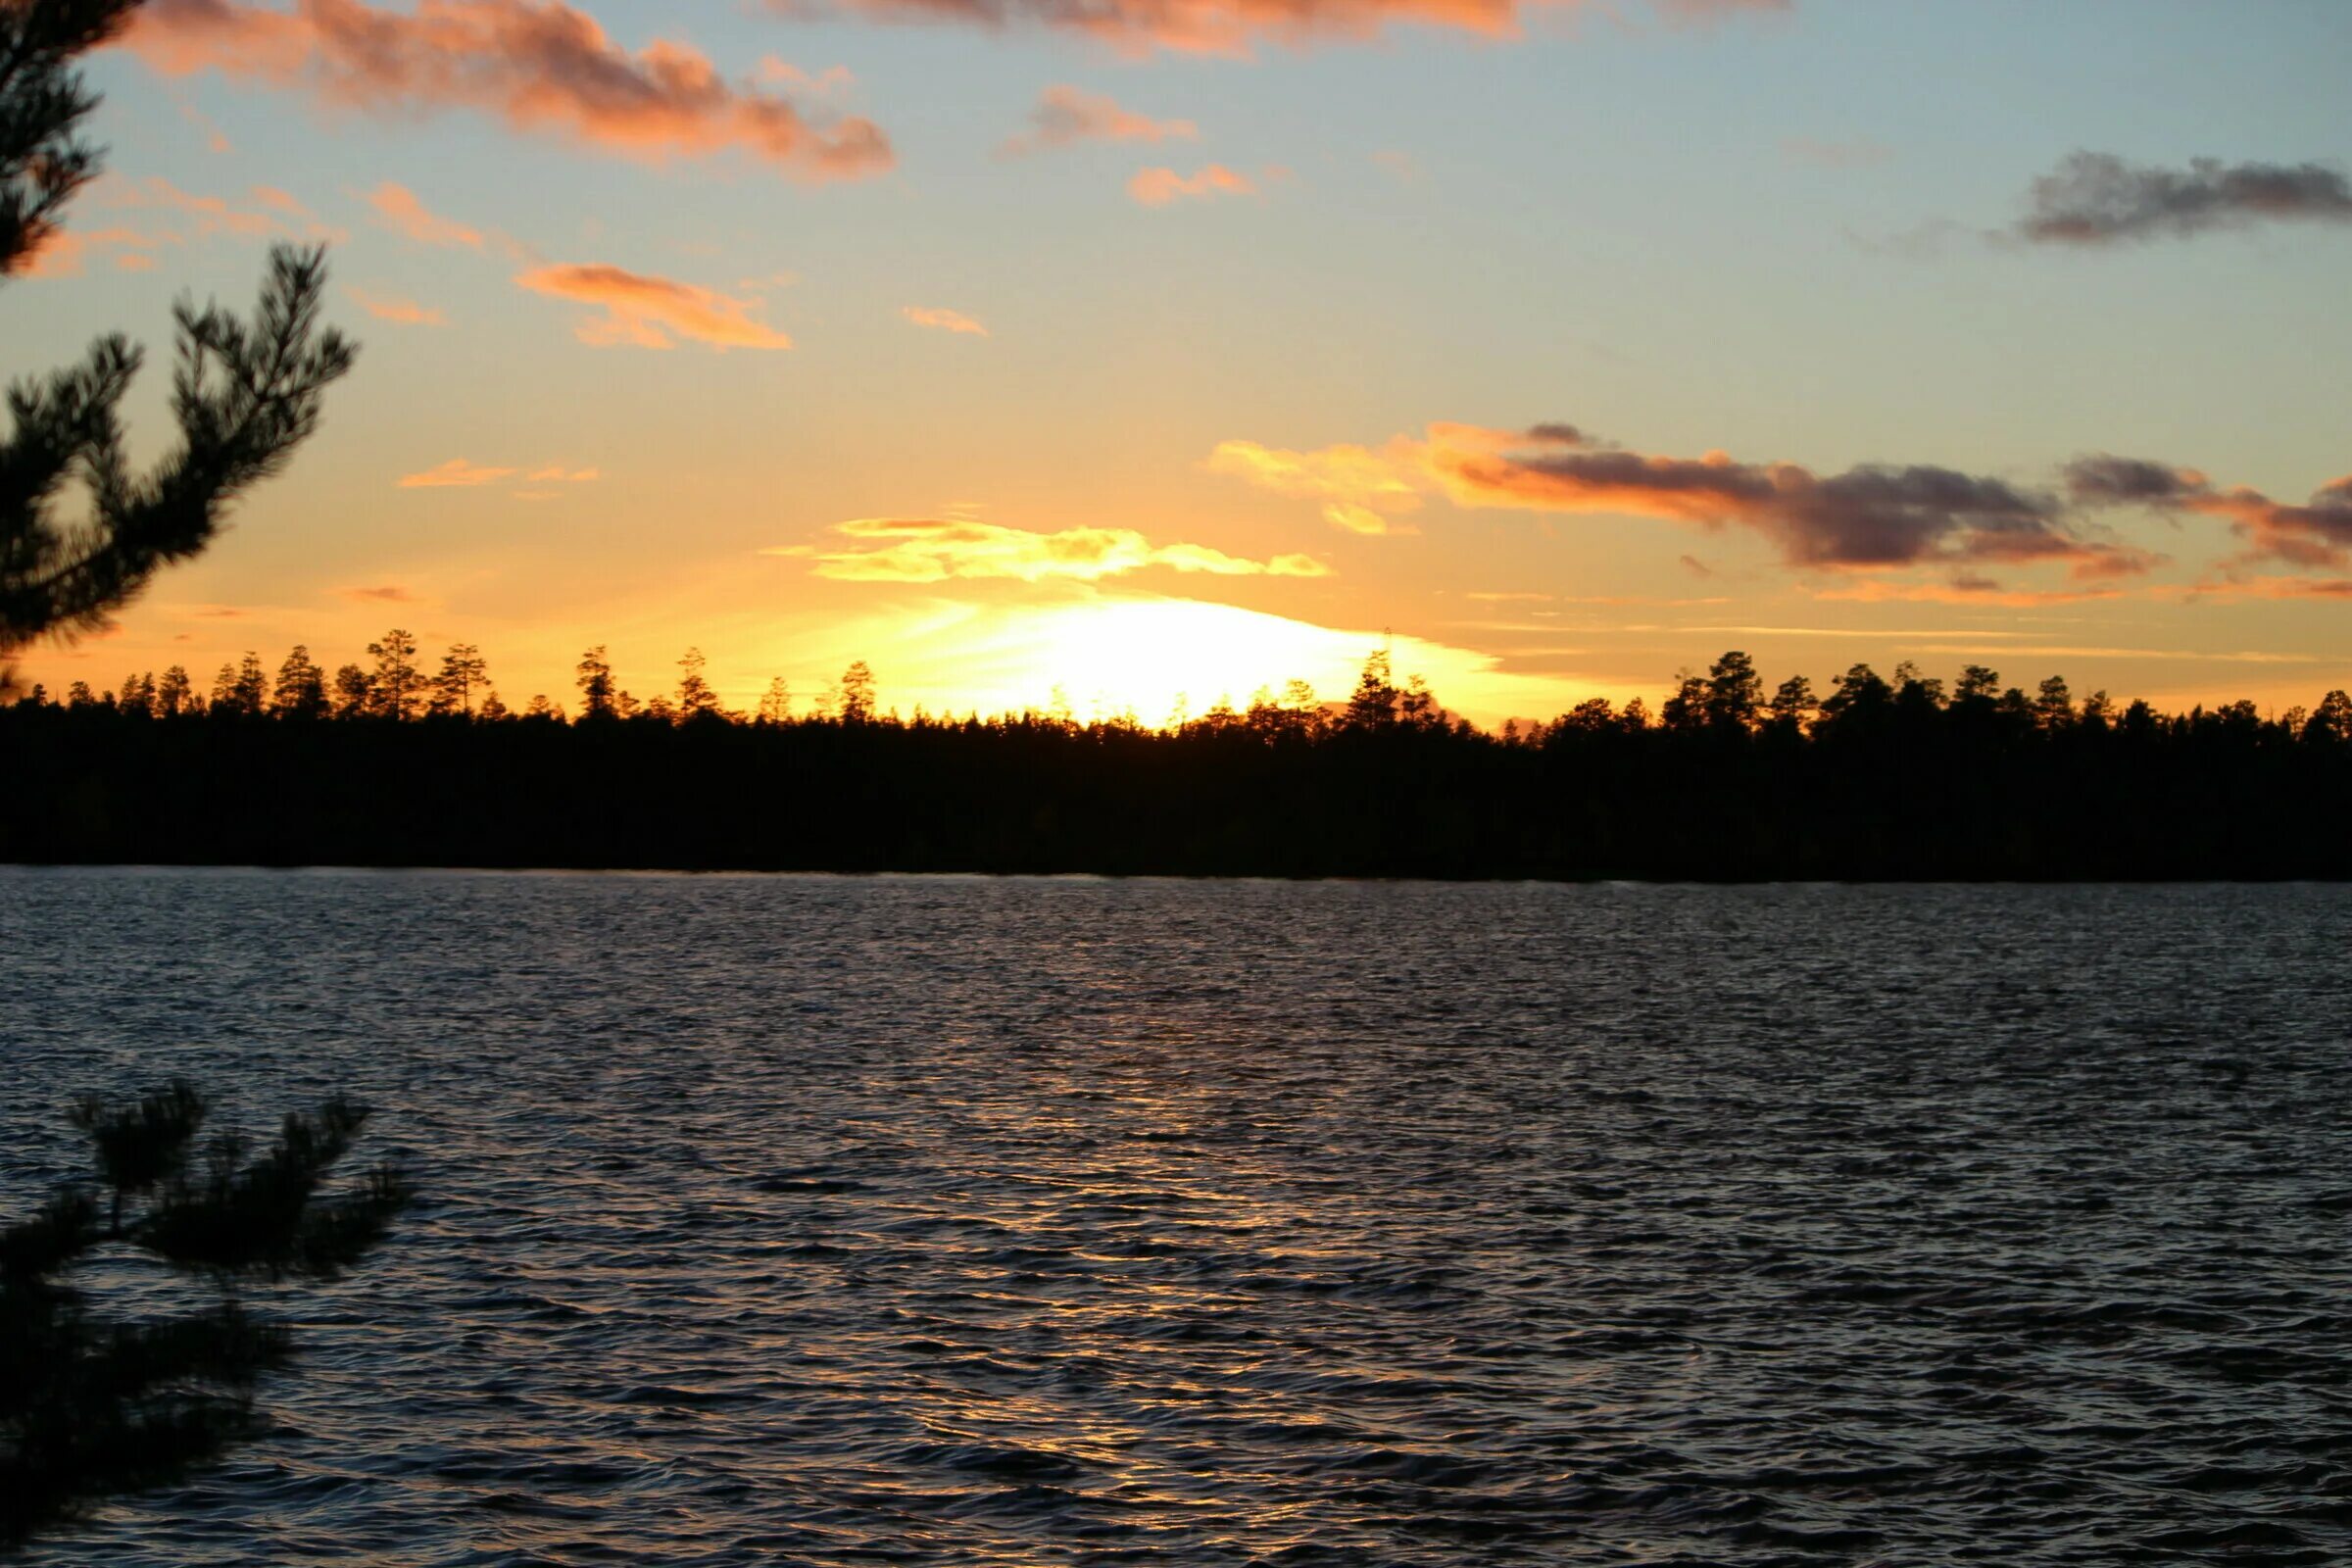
{"points": [[94, 1403]]}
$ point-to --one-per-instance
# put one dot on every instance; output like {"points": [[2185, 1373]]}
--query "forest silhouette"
{"points": [[393, 764]]}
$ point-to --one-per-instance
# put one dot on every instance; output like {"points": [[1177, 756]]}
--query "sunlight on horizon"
{"points": [[1144, 656]]}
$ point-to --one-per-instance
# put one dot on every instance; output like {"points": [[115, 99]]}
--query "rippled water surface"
{"points": [[802, 1221]]}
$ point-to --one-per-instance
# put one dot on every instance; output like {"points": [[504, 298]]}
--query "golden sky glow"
{"points": [[1140, 350]]}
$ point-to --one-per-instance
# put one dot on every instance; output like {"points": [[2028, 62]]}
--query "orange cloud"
{"points": [[1963, 590], [934, 549], [643, 311], [1139, 27], [389, 595], [1157, 188], [1065, 115], [400, 312], [66, 253], [944, 319], [272, 212], [2276, 588], [399, 209], [457, 471], [539, 65], [556, 474]]}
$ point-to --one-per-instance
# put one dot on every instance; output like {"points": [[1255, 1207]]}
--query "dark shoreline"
{"points": [[1942, 795], [1340, 879]]}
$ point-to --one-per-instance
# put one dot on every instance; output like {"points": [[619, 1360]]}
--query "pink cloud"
{"points": [[456, 473], [66, 253], [1067, 116], [1157, 188], [399, 209], [944, 321], [539, 65], [400, 312], [643, 311], [1239, 27]]}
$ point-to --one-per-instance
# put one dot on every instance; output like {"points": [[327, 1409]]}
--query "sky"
{"points": [[1153, 351]]}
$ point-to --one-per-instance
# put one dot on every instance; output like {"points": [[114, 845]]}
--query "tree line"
{"points": [[1728, 699], [1874, 777]]}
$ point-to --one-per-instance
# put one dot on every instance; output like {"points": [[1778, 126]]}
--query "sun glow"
{"points": [[1155, 658]]}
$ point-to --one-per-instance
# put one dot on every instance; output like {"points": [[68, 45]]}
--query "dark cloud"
{"points": [[2098, 199], [2101, 480], [1867, 516], [2317, 533]]}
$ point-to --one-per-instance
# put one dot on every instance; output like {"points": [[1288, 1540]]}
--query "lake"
{"points": [[933, 1220]]}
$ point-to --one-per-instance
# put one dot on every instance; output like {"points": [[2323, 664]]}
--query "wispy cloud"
{"points": [[398, 209], [390, 594], [944, 321], [176, 217], [2098, 199], [1359, 488], [272, 211], [540, 65], [643, 311], [1142, 27], [396, 309], [936, 549], [457, 472], [1157, 188], [69, 251], [1067, 116], [1961, 590], [2276, 588]]}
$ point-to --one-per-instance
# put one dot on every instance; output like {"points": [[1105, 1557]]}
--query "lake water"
{"points": [[930, 1220]]}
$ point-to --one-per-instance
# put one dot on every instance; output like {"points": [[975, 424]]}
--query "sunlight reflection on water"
{"points": [[945, 1220]]}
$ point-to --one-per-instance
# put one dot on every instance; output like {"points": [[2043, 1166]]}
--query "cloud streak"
{"points": [[1238, 27], [1158, 187], [398, 210], [1359, 488], [937, 549], [1067, 116], [2093, 199], [943, 319], [399, 311], [644, 311], [540, 66], [456, 473]]}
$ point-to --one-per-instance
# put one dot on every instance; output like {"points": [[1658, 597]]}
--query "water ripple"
{"points": [[951, 1221]]}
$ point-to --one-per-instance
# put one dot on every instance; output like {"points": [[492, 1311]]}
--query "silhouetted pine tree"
{"points": [[244, 394], [93, 1403], [463, 675]]}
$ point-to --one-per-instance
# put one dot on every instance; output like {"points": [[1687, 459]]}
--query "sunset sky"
{"points": [[1146, 347]]}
